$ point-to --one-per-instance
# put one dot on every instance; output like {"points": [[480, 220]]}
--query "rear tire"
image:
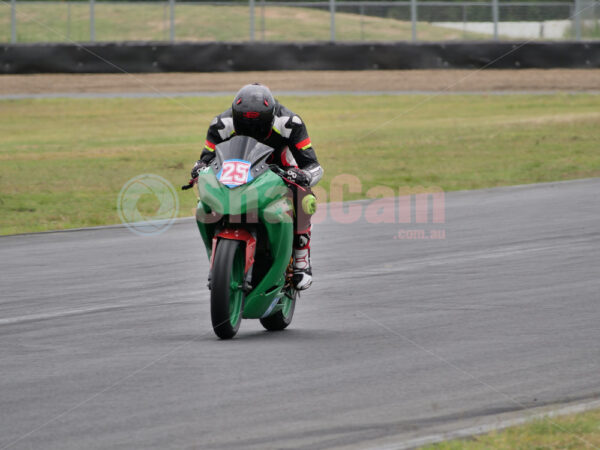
{"points": [[227, 295], [282, 318]]}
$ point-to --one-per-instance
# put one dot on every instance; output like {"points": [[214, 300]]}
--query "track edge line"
{"points": [[523, 417]]}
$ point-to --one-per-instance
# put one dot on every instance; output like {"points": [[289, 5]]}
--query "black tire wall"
{"points": [[148, 57]]}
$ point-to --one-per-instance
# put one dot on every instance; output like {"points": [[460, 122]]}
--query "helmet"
{"points": [[253, 111]]}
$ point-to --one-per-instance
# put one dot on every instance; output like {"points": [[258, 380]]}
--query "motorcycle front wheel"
{"points": [[227, 294]]}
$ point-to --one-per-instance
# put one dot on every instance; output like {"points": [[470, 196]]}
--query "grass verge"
{"points": [[64, 161], [577, 431], [60, 21]]}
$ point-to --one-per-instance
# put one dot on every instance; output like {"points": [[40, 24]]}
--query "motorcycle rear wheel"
{"points": [[282, 318], [227, 294]]}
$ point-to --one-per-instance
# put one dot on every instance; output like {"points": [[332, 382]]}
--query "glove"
{"points": [[197, 168], [299, 176], [194, 174]]}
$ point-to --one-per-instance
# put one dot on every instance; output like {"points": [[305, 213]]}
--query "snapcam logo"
{"points": [[148, 204]]}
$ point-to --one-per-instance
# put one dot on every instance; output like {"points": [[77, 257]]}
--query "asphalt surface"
{"points": [[106, 342]]}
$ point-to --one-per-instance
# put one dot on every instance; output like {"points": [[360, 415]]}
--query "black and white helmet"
{"points": [[253, 111]]}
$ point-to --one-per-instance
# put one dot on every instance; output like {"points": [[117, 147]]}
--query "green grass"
{"points": [[63, 161], [590, 29], [40, 22], [577, 431]]}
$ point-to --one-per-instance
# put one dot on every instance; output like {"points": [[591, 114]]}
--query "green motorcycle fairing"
{"points": [[266, 209]]}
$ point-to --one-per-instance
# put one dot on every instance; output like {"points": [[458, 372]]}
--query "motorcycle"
{"points": [[245, 215]]}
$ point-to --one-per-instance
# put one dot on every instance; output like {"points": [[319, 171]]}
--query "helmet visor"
{"points": [[255, 127]]}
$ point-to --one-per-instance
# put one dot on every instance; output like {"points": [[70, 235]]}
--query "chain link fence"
{"points": [[266, 20]]}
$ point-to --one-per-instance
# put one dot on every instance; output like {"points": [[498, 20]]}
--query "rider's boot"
{"points": [[302, 277]]}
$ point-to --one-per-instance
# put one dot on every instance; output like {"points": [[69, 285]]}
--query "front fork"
{"points": [[242, 235]]}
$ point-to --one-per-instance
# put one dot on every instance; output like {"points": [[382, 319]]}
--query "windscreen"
{"points": [[240, 160]]}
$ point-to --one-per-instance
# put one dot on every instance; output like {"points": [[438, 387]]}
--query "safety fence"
{"points": [[292, 21]]}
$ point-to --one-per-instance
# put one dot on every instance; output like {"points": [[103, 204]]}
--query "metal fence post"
{"points": [[332, 24], [165, 21], [68, 20], [13, 21], [495, 15], [413, 19], [362, 21], [251, 5], [262, 20], [577, 18], [172, 20], [464, 18], [92, 21]]}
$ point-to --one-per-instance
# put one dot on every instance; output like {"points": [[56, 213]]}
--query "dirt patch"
{"points": [[393, 80]]}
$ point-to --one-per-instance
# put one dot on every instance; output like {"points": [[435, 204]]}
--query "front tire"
{"points": [[282, 318], [227, 294]]}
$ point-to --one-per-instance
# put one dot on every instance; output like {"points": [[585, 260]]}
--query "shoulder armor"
{"points": [[223, 124], [283, 121], [227, 129], [281, 126]]}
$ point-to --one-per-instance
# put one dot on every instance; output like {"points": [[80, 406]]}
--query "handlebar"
{"points": [[283, 174], [278, 170], [274, 167]]}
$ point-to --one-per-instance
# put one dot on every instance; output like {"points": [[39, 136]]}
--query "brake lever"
{"points": [[190, 185]]}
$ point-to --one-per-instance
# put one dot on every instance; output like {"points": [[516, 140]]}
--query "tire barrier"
{"points": [[148, 57]]}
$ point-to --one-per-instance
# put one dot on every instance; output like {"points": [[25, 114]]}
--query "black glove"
{"points": [[299, 176], [197, 168], [194, 174]]}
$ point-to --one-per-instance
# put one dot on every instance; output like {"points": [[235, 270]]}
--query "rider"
{"points": [[255, 113]]}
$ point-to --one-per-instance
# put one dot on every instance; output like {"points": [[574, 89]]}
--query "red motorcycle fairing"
{"points": [[236, 235]]}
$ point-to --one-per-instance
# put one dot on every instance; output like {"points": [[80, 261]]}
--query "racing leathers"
{"points": [[293, 151]]}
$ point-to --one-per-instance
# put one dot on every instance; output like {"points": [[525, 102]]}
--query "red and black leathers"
{"points": [[293, 148], [288, 137]]}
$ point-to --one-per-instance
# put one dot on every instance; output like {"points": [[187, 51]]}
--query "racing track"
{"points": [[105, 338], [171, 95]]}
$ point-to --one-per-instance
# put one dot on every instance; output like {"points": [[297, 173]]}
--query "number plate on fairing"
{"points": [[235, 172]]}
